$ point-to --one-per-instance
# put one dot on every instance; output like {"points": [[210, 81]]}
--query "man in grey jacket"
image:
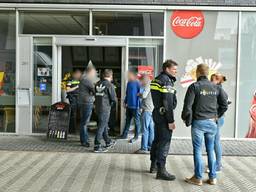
{"points": [[147, 120], [86, 99]]}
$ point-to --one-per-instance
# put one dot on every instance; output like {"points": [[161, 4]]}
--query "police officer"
{"points": [[164, 100], [105, 96], [72, 95]]}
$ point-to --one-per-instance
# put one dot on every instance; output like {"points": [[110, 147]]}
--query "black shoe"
{"points": [[133, 140], [153, 167], [111, 144], [100, 149], [85, 144], [164, 175]]}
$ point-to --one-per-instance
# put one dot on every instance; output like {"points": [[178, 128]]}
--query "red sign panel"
{"points": [[187, 24], [145, 70]]}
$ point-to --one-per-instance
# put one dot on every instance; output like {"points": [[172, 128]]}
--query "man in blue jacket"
{"points": [[132, 105]]}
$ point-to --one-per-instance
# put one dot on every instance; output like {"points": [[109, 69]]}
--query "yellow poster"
{"points": [[1, 78]]}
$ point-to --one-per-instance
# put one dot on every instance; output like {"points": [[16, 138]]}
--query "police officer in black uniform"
{"points": [[164, 100], [72, 95]]}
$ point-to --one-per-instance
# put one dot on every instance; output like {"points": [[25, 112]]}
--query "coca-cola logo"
{"points": [[187, 24]]}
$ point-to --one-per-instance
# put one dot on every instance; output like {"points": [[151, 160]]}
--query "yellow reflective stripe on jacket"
{"points": [[74, 82], [157, 88], [155, 84]]}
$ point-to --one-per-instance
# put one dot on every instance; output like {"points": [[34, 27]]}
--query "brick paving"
{"points": [[178, 146], [22, 171], [35, 164]]}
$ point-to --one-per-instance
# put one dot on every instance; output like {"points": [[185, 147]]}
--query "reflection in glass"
{"points": [[145, 56], [216, 46], [247, 84], [128, 23], [42, 87], [71, 23], [7, 72], [145, 52]]}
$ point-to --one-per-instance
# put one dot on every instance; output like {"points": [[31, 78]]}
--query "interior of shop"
{"points": [[78, 57]]}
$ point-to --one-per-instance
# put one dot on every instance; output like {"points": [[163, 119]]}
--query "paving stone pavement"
{"points": [[22, 171], [178, 146]]}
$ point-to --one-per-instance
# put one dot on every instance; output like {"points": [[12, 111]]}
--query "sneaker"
{"points": [[219, 169], [100, 150], [193, 180], [111, 144], [85, 144], [133, 140], [141, 151], [211, 181]]}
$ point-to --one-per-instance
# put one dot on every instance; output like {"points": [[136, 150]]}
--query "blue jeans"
{"points": [[147, 131], [203, 130], [217, 144], [132, 113], [86, 112]]}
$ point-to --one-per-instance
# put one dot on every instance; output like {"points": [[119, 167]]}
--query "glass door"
{"points": [[103, 52], [42, 83]]}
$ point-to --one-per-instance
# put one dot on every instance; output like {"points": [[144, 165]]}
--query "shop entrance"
{"points": [[103, 52], [42, 63], [76, 58]]}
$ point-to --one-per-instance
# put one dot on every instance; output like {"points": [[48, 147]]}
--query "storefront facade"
{"points": [[39, 41]]}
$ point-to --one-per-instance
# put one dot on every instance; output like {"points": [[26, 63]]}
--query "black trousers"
{"points": [[73, 113], [161, 144], [112, 119]]}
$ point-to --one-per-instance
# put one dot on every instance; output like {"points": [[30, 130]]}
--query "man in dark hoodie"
{"points": [[86, 100], [105, 98]]}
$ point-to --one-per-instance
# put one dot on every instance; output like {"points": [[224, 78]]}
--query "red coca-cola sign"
{"points": [[187, 24]]}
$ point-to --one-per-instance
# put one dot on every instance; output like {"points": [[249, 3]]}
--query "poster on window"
{"points": [[146, 70], [252, 126], [43, 71]]}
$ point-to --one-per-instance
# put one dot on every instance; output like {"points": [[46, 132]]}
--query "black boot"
{"points": [[164, 175], [153, 167]]}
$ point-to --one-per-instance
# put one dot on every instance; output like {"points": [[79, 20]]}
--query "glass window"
{"points": [[42, 99], [7, 72], [145, 53], [128, 23], [247, 82], [216, 46], [54, 23]]}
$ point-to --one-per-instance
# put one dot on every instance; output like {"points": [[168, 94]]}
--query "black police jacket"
{"points": [[204, 100], [73, 83], [164, 95], [105, 96]]}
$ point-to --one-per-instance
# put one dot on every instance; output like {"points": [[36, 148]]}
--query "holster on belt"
{"points": [[162, 110]]}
